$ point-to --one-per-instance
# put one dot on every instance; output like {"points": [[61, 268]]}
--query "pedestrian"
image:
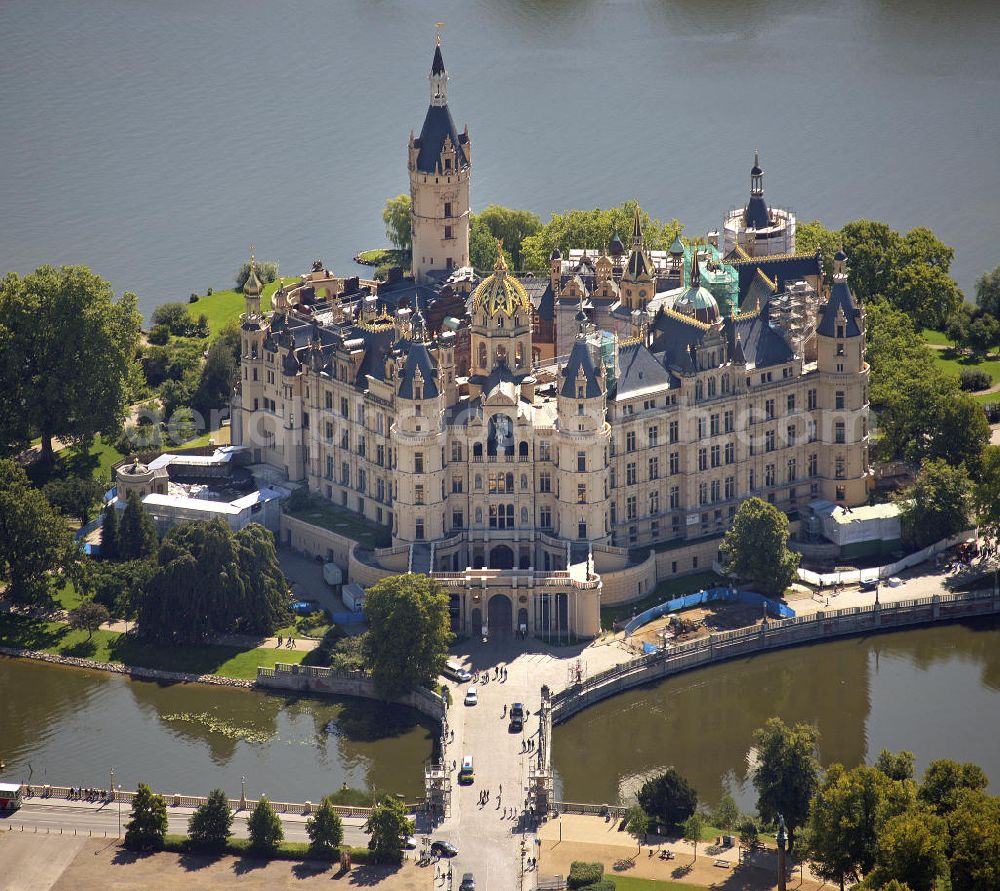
{"points": [[501, 789], [504, 715], [279, 640]]}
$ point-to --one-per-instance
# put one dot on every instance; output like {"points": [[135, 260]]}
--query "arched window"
{"points": [[479, 516], [522, 449], [524, 481], [509, 481], [482, 355], [711, 387], [524, 516], [698, 391], [479, 481], [725, 383], [477, 451], [500, 438]]}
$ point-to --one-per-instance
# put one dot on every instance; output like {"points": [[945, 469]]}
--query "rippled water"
{"points": [[156, 141], [71, 726], [934, 691]]}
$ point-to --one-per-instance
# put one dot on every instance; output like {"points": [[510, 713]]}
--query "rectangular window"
{"points": [[630, 441], [448, 233], [418, 462], [768, 409], [654, 468], [419, 533], [344, 410], [581, 530], [675, 497], [654, 434], [630, 474], [545, 481], [716, 456], [790, 434], [730, 452], [714, 425], [769, 475], [654, 502], [839, 400], [545, 517], [838, 433], [581, 493], [345, 474], [791, 403], [702, 493], [345, 439], [544, 452], [581, 462], [769, 441], [703, 459], [675, 462], [792, 470], [456, 484], [447, 208], [674, 429], [329, 432], [456, 451], [716, 491], [841, 493], [457, 520], [728, 421], [841, 468], [630, 507], [811, 399], [730, 487], [813, 465], [701, 428], [328, 401], [418, 494], [329, 467]]}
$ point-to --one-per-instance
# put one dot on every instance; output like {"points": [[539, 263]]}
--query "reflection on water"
{"points": [[933, 691], [70, 726]]}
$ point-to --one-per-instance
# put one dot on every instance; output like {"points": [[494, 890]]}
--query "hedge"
{"points": [[240, 847]]}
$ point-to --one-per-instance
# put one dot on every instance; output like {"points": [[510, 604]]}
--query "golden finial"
{"points": [[501, 264], [253, 259], [439, 26]]}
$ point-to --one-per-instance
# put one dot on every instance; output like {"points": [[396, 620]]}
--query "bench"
{"points": [[723, 863]]}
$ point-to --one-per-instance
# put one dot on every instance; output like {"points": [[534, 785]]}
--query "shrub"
{"points": [[668, 798], [972, 379], [159, 335], [583, 874], [267, 271], [211, 824], [193, 298], [264, 827], [299, 499], [325, 829], [208, 293], [148, 825]]}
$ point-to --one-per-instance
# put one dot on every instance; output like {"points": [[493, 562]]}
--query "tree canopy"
{"points": [[267, 272], [67, 357], [668, 798], [409, 632], [264, 827], [510, 226], [755, 547], [988, 292], [937, 505], [325, 828], [987, 493], [35, 541], [388, 828], [148, 824], [593, 229], [211, 824], [398, 228], [210, 580], [787, 772]]}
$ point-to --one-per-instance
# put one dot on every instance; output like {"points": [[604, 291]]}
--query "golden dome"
{"points": [[500, 292]]}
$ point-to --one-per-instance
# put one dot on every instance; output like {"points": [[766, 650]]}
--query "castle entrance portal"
{"points": [[501, 557], [500, 615]]}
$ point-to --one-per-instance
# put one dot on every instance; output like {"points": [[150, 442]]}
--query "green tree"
{"points": [[974, 842], [136, 531], [749, 834], [755, 547], [960, 431], [510, 226], [945, 779], [67, 357], [787, 773], [148, 824], [212, 823], [88, 616], [921, 245], [264, 827], [325, 829], [911, 850], [693, 828], [174, 317], [409, 631], [726, 814], [483, 246], [109, 533], [218, 374], [986, 494], [396, 216], [988, 292], [267, 272], [637, 823], [895, 765], [388, 828], [118, 586], [927, 294], [873, 251], [668, 798], [593, 229], [73, 496], [982, 335], [814, 236], [174, 395], [937, 505], [34, 540]]}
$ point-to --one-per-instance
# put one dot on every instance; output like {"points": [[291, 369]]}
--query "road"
{"points": [[85, 818]]}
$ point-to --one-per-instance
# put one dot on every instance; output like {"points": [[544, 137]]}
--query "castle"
{"points": [[548, 444]]}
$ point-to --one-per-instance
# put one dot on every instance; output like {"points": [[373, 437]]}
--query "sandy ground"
{"points": [[709, 617], [33, 863], [591, 838]]}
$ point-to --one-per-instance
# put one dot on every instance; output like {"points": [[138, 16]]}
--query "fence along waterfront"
{"points": [[773, 634]]}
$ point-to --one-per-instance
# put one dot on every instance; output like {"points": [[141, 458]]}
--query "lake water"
{"points": [[934, 691], [156, 141], [71, 726]]}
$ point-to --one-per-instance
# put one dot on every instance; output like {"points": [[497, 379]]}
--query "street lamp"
{"points": [[782, 842], [119, 797], [243, 793], [111, 786]]}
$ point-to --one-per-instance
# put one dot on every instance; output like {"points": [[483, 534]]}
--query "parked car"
{"points": [[869, 585], [468, 882], [410, 843], [472, 696], [443, 848], [454, 672], [467, 775], [516, 717]]}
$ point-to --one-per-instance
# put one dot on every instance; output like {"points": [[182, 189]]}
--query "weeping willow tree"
{"points": [[210, 580]]}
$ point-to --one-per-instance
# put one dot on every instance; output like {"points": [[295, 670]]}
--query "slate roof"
{"points": [[673, 337], [540, 294], [762, 344], [581, 356], [438, 125], [756, 215], [781, 269], [638, 371], [840, 298], [437, 66], [417, 356]]}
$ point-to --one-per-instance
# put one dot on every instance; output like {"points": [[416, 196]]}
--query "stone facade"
{"points": [[671, 386]]}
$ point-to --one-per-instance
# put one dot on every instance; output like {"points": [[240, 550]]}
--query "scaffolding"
{"points": [[437, 781], [540, 795]]}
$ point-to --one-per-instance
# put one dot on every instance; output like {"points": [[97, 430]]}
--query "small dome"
{"points": [[699, 303], [501, 292], [252, 286], [556, 254], [581, 316], [616, 248], [136, 468]]}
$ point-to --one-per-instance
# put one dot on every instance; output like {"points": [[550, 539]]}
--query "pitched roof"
{"points": [[581, 357], [762, 343], [438, 126], [417, 357], [673, 337], [437, 66], [841, 298], [782, 268], [756, 215], [638, 371]]}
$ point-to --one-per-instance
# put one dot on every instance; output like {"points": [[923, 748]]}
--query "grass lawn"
{"points": [[337, 519], [68, 597], [224, 306], [631, 883], [953, 364], [96, 462], [935, 338], [687, 584], [110, 646], [220, 438]]}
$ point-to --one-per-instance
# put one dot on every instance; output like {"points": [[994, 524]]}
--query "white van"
{"points": [[467, 775], [454, 672], [11, 796]]}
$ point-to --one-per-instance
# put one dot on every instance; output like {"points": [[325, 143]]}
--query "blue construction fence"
{"points": [[774, 608]]}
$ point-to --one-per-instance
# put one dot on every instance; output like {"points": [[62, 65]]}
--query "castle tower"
{"points": [[756, 229], [638, 279], [439, 163], [842, 396]]}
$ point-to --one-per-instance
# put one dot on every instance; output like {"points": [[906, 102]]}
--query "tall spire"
{"points": [[637, 238], [756, 177], [438, 76], [695, 268]]}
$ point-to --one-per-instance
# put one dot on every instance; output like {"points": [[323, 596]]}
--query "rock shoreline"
{"points": [[134, 671]]}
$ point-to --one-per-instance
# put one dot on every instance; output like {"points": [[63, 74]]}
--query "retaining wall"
{"points": [[718, 647], [314, 679]]}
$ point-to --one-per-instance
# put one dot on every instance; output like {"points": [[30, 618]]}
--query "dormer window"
{"points": [[418, 391], [840, 329], [447, 163]]}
